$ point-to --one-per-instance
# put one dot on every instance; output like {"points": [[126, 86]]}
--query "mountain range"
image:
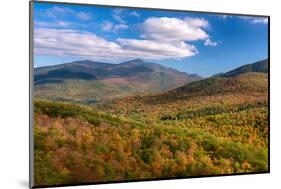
{"points": [[88, 81]]}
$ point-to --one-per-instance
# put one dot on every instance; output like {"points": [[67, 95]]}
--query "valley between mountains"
{"points": [[97, 122]]}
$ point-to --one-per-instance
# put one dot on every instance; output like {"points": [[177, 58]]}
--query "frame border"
{"points": [[31, 89], [31, 100]]}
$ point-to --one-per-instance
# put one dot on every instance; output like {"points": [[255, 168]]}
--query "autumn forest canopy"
{"points": [[212, 126]]}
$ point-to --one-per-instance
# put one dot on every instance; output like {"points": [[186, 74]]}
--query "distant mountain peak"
{"points": [[81, 61], [92, 80], [137, 60], [196, 76], [86, 62]]}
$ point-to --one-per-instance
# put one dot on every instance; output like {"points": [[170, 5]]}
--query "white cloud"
{"points": [[134, 13], [197, 22], [57, 12], [56, 24], [161, 38], [108, 26], [118, 15], [208, 42], [87, 45], [120, 27], [224, 16], [174, 29], [84, 16], [260, 20], [255, 20], [158, 50], [73, 43]]}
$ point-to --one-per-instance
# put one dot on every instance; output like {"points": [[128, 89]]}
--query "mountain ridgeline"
{"points": [[246, 82], [89, 82], [260, 66]]}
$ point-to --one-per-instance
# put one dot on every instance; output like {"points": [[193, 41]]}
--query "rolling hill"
{"points": [[241, 90], [88, 81], [244, 88], [260, 66]]}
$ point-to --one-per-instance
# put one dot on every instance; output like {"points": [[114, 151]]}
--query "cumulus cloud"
{"points": [[208, 42], [74, 43], [174, 29], [159, 50], [197, 22], [160, 38]]}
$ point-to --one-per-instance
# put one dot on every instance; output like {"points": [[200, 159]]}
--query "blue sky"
{"points": [[199, 43]]}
